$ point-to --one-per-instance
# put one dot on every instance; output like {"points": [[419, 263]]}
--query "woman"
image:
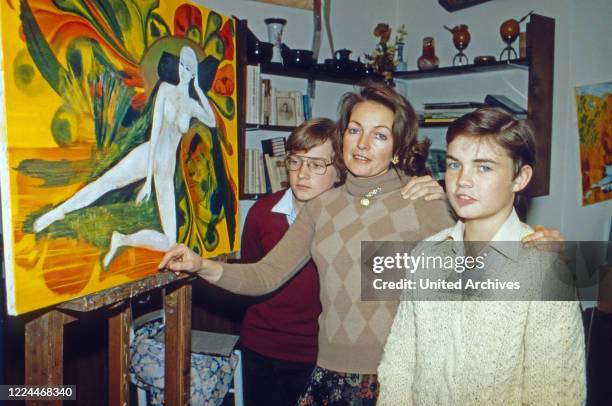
{"points": [[381, 152], [154, 161]]}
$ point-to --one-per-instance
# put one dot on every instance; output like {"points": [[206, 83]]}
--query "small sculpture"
{"points": [[509, 31], [428, 60], [461, 39]]}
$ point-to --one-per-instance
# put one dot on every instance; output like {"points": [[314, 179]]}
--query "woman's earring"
{"points": [[395, 160]]}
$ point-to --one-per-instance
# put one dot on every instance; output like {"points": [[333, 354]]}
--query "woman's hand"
{"points": [[181, 258], [144, 193], [420, 186], [545, 239]]}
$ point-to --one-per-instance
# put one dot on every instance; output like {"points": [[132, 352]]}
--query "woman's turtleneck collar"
{"points": [[388, 182]]}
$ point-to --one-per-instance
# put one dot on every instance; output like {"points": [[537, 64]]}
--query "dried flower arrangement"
{"points": [[383, 60]]}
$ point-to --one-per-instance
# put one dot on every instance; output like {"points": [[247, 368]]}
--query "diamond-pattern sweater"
{"points": [[330, 229]]}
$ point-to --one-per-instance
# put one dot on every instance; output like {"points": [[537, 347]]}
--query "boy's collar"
{"points": [[512, 230], [285, 206]]}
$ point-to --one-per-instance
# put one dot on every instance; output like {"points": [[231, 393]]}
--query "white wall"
{"points": [[589, 60], [582, 56]]}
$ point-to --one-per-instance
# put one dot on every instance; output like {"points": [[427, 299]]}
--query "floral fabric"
{"points": [[211, 376], [338, 388]]}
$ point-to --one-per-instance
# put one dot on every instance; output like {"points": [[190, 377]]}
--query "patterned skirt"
{"points": [[340, 388]]}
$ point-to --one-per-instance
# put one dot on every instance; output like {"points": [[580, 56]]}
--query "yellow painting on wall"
{"points": [[119, 139], [594, 111]]}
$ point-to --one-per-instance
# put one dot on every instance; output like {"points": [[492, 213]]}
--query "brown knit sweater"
{"points": [[331, 228]]}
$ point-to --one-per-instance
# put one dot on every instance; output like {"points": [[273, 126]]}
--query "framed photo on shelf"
{"points": [[285, 111]]}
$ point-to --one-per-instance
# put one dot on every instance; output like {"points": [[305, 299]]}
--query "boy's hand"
{"points": [[420, 186], [545, 239]]}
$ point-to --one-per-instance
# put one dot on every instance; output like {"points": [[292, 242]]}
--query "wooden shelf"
{"points": [[516, 64], [315, 73], [318, 73], [284, 128]]}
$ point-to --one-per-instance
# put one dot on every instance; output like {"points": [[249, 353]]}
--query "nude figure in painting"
{"points": [[153, 161]]}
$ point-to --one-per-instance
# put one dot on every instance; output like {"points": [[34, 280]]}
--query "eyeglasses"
{"points": [[315, 165]]}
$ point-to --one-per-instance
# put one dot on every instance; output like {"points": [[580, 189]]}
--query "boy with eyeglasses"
{"points": [[279, 334]]}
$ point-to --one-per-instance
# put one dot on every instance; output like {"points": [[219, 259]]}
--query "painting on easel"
{"points": [[119, 139]]}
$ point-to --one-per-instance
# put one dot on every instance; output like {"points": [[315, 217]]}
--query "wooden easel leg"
{"points": [[119, 356], [177, 306], [44, 353]]}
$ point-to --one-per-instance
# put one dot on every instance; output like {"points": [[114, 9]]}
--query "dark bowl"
{"points": [[298, 58], [258, 51]]}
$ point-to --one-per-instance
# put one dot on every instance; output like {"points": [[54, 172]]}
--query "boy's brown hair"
{"points": [[315, 132], [514, 136]]}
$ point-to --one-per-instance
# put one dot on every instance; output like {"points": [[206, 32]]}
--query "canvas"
{"points": [[119, 139], [594, 110]]}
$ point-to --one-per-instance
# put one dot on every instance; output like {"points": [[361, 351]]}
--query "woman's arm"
{"points": [[276, 268], [158, 116], [202, 109]]}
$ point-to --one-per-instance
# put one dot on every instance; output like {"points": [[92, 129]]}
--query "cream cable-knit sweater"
{"points": [[331, 228], [484, 353]]}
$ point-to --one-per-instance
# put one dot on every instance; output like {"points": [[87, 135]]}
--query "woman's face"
{"points": [[185, 72], [367, 143], [187, 65]]}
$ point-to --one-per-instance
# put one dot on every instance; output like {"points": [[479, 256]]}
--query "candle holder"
{"points": [[275, 35]]}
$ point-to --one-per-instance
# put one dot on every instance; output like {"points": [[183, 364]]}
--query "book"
{"points": [[299, 107], [248, 156], [266, 110], [499, 100], [454, 105], [307, 107], [274, 146], [256, 171], [253, 99]]}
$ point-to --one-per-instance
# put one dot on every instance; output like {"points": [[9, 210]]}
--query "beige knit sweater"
{"points": [[485, 353], [331, 228]]}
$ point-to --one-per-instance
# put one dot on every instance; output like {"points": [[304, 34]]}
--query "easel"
{"points": [[44, 339]]}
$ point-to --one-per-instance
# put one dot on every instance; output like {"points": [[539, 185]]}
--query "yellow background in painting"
{"points": [[27, 135]]}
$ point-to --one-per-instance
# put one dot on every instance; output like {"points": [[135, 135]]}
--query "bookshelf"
{"points": [[315, 73], [500, 66], [539, 66]]}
